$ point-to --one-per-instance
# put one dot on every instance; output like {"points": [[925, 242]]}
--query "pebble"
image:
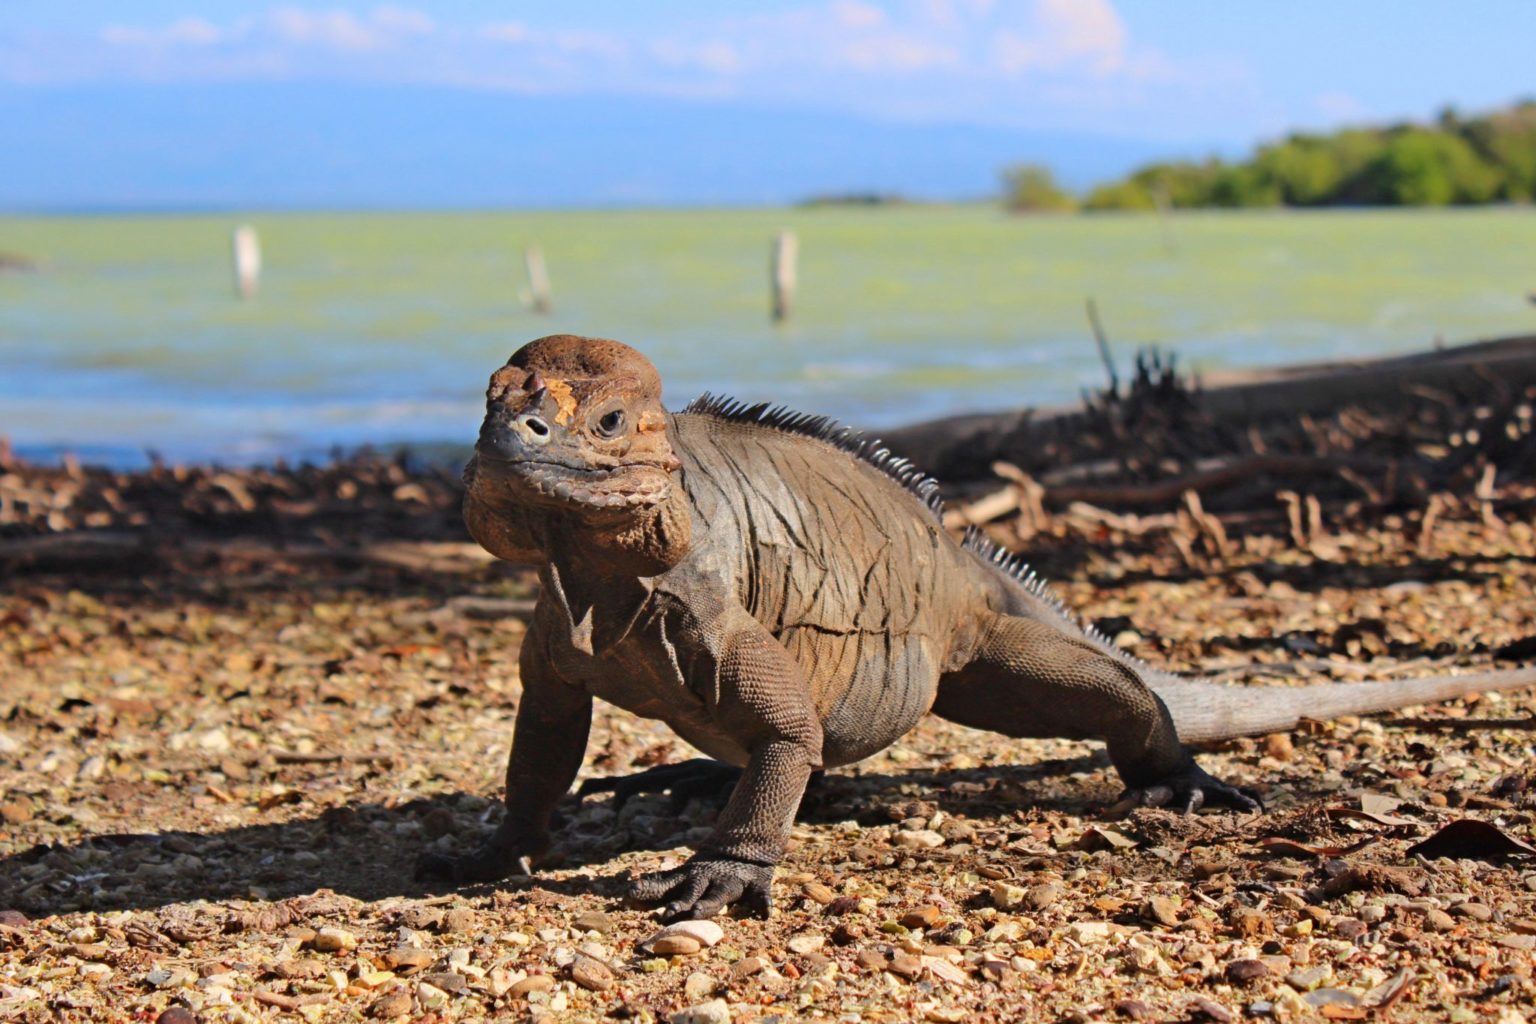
{"points": [[1133, 1009], [919, 839], [1350, 928], [1279, 746], [407, 959], [1163, 910], [716, 1011], [699, 987], [592, 975], [1253, 924], [1211, 1009], [818, 893], [430, 996], [176, 1015], [1043, 895], [805, 942], [922, 917], [13, 919], [674, 945], [705, 933], [1085, 932], [1007, 896], [460, 919], [1305, 979], [1439, 921], [333, 940], [448, 981], [594, 921], [906, 965], [532, 983], [1476, 911], [1242, 972], [14, 812], [747, 966], [392, 1004]]}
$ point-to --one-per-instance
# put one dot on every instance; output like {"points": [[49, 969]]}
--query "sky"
{"points": [[781, 98]]}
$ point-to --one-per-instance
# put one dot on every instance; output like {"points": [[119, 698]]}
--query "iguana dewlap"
{"points": [[784, 595]]}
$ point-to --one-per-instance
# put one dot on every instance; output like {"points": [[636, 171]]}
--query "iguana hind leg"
{"points": [[1031, 679]]}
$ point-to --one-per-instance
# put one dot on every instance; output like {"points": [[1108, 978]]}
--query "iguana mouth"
{"points": [[627, 485]]}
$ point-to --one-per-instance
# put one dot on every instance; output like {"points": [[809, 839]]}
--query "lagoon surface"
{"points": [[382, 328]]}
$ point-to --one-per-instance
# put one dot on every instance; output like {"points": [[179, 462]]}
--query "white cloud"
{"points": [[338, 29], [505, 32], [185, 32], [1063, 34], [854, 14], [1339, 106], [403, 20]]}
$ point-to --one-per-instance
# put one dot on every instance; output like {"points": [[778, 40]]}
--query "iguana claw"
{"points": [[1192, 788], [707, 885]]}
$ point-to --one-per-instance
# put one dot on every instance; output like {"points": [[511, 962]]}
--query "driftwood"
{"points": [[964, 447]]}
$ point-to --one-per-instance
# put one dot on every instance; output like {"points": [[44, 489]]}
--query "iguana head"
{"points": [[574, 434]]}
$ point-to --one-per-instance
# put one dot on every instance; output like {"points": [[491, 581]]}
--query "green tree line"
{"points": [[1455, 160]]}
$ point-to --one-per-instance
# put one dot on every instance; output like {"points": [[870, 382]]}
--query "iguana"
{"points": [[784, 595]]}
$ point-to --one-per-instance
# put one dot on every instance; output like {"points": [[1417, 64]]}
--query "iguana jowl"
{"points": [[784, 596]]}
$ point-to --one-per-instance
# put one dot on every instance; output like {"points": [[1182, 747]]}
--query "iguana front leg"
{"points": [[548, 742], [760, 699]]}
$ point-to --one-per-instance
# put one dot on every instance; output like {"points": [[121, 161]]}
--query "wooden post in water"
{"points": [[245, 248], [538, 279], [1102, 341], [782, 273]]}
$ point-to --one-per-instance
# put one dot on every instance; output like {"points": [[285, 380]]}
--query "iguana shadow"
{"points": [[367, 850]]}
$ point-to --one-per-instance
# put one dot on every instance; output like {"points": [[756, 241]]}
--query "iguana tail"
{"points": [[1207, 710], [1204, 710]]}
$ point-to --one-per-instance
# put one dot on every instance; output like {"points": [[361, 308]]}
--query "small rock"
{"points": [[1211, 1010], [704, 933], [1043, 895], [1476, 911], [699, 987], [13, 919], [430, 996], [1331, 997], [1512, 941], [845, 905], [747, 966], [716, 1011], [1163, 910], [1350, 928], [1253, 924], [1278, 745], [805, 942], [594, 921], [176, 1015], [919, 839], [460, 919], [1243, 972], [14, 812], [449, 981], [1085, 932], [1439, 921], [592, 975], [392, 1004], [333, 940], [906, 965], [1007, 896], [421, 919], [922, 917], [1305, 979], [409, 959], [532, 983], [1133, 1009], [846, 934], [674, 945], [818, 893]]}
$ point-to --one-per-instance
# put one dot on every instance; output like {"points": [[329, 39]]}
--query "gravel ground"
{"points": [[215, 774]]}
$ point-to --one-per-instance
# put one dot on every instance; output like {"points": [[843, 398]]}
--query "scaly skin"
{"points": [[786, 605]]}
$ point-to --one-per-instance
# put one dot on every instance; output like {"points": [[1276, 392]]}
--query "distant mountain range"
{"points": [[83, 148]]}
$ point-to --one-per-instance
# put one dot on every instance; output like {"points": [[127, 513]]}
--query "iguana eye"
{"points": [[611, 423]]}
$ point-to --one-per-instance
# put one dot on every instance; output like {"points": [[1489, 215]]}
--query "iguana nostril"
{"points": [[532, 428]]}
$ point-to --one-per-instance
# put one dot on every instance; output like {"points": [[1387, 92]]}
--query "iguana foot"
{"points": [[701, 777], [706, 885], [498, 857], [1191, 788]]}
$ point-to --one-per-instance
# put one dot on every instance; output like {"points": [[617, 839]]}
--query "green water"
{"points": [[383, 328]]}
